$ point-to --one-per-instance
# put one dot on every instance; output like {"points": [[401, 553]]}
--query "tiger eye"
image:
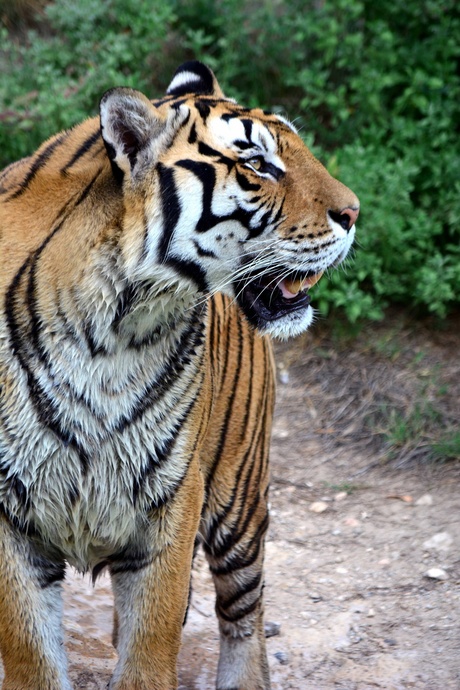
{"points": [[256, 163]]}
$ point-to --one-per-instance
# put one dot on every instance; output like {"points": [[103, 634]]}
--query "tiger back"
{"points": [[146, 258]]}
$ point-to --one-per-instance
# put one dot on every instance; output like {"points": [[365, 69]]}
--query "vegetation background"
{"points": [[374, 88]]}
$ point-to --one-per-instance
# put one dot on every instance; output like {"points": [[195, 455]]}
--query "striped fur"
{"points": [[146, 258]]}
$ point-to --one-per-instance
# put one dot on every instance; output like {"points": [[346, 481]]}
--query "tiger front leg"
{"points": [[151, 593], [236, 558], [31, 637]]}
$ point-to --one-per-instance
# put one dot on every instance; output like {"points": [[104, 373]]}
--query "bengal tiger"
{"points": [[147, 256]]}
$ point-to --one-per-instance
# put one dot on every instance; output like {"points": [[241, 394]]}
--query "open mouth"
{"points": [[270, 297]]}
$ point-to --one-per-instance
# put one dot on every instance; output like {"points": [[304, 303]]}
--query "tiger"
{"points": [[148, 258]]}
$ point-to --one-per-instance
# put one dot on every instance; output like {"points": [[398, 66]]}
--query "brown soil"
{"points": [[348, 584]]}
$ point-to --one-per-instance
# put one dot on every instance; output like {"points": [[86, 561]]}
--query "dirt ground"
{"points": [[362, 565]]}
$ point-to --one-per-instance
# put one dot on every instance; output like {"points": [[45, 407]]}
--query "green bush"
{"points": [[373, 87], [56, 78]]}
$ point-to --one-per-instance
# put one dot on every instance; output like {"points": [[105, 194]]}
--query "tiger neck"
{"points": [[125, 316]]}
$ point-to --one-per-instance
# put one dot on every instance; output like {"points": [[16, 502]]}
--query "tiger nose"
{"points": [[345, 218]]}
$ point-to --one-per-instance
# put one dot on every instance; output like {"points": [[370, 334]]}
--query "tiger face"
{"points": [[246, 209]]}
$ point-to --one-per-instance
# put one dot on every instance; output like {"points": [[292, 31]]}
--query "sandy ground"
{"points": [[352, 543]]}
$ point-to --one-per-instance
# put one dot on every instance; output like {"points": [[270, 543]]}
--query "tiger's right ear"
{"points": [[134, 133], [196, 78]]}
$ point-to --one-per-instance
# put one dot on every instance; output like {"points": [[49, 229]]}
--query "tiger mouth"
{"points": [[269, 297]]}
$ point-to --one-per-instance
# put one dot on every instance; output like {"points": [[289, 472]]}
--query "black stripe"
{"points": [[212, 326], [22, 494], [219, 517], [168, 496], [204, 109], [127, 300], [234, 535], [36, 326], [7, 171], [273, 170], [244, 589], [165, 99], [66, 327], [165, 453], [128, 560], [130, 566], [45, 407], [242, 144], [206, 150], [183, 124], [97, 570], [239, 614], [191, 270], [49, 572], [201, 251], [74, 494], [170, 206], [246, 184], [153, 336], [206, 173], [94, 347], [249, 396], [192, 134], [238, 530], [247, 124], [117, 173], [82, 149], [145, 238], [237, 561], [38, 163], [159, 456], [232, 387], [171, 371], [279, 212], [22, 525]]}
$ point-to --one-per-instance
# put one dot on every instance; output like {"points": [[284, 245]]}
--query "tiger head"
{"points": [[231, 199]]}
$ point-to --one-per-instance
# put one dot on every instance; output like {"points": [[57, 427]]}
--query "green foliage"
{"points": [[419, 431], [57, 77], [447, 447], [373, 87], [417, 423]]}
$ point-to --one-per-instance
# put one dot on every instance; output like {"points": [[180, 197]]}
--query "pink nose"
{"points": [[352, 213], [346, 218]]}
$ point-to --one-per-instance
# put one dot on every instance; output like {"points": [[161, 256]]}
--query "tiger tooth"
{"points": [[295, 286], [314, 279]]}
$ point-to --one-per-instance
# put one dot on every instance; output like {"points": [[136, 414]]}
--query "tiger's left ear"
{"points": [[134, 133], [194, 77]]}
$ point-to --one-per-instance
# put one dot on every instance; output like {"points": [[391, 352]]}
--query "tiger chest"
{"points": [[87, 475]]}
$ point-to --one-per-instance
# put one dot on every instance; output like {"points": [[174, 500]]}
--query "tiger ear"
{"points": [[194, 77], [134, 133]]}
